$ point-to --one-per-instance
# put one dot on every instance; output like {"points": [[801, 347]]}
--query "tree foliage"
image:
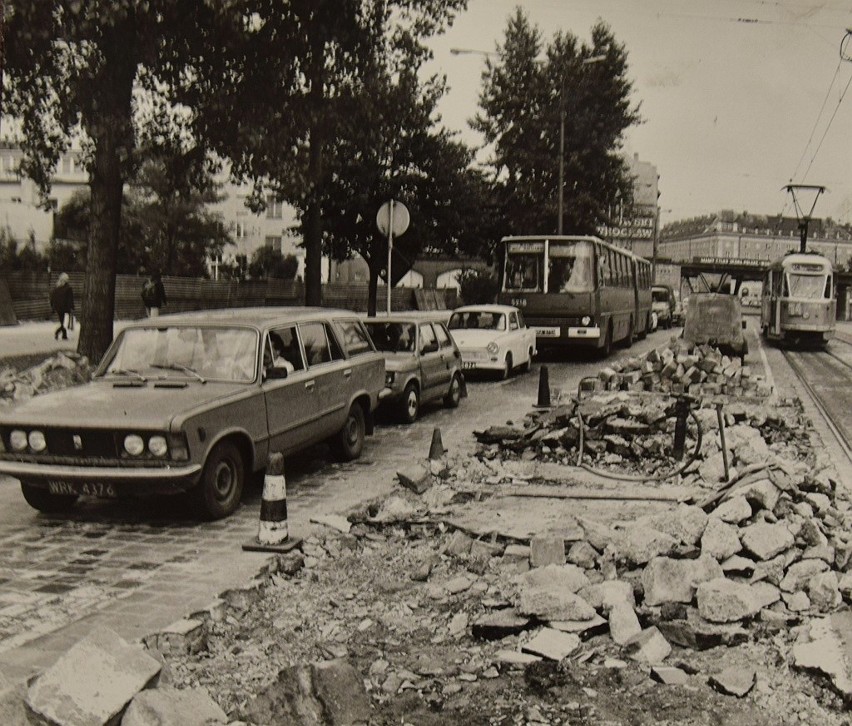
{"points": [[523, 99], [477, 287], [267, 262]]}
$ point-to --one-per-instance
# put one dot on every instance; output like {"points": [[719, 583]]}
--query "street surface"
{"points": [[138, 566]]}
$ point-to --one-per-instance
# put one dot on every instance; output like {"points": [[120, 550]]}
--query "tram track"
{"points": [[828, 386]]}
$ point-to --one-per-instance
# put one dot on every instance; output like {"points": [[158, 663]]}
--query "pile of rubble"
{"points": [[59, 371], [681, 367]]}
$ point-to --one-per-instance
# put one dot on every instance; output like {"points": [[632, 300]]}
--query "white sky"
{"points": [[734, 93]]}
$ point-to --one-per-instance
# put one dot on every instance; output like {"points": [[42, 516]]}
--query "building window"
{"points": [[274, 242], [274, 208]]}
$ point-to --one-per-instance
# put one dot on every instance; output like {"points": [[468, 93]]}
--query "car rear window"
{"points": [[354, 337]]}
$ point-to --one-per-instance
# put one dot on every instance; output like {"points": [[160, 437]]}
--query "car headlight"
{"points": [[586, 320], [492, 347], [37, 441], [389, 376], [133, 444], [18, 440], [157, 446]]}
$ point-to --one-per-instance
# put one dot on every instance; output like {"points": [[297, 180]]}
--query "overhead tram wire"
{"points": [[825, 133], [816, 121]]}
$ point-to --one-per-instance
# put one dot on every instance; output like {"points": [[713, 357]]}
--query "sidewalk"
{"points": [[34, 337]]}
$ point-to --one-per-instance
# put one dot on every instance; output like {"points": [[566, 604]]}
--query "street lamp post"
{"points": [[561, 187]]}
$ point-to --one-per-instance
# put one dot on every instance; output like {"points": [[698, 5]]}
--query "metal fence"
{"points": [[30, 293]]}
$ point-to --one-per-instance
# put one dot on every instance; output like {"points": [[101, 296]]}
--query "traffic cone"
{"points": [[273, 535], [543, 388], [436, 450]]}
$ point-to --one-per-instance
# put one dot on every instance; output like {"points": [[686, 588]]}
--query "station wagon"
{"points": [[196, 402]]}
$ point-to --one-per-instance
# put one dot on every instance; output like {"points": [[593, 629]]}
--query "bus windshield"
{"points": [[523, 268], [570, 267]]}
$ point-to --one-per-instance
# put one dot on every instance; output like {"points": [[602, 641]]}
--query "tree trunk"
{"points": [[313, 209], [108, 121]]}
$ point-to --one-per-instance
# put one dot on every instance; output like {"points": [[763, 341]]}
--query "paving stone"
{"points": [[552, 644], [649, 646], [640, 544], [737, 565], [340, 689], [623, 623], [568, 577], [583, 555], [605, 595], [765, 541], [458, 545], [584, 628], [827, 649], [92, 682], [164, 706], [824, 591], [499, 624], [725, 601], [765, 593], [699, 634], [734, 681], [799, 574], [733, 510], [796, 602], [515, 658], [668, 580], [186, 636], [669, 675], [770, 570], [720, 540], [548, 602], [685, 524], [762, 493], [547, 549]]}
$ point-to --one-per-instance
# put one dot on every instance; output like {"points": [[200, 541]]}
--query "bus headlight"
{"points": [[492, 348], [586, 320], [157, 446], [18, 440], [133, 444], [37, 441]]}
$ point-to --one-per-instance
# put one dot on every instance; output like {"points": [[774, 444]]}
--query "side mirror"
{"points": [[276, 373]]}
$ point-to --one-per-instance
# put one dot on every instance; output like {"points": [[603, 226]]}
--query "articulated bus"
{"points": [[577, 291], [799, 305]]}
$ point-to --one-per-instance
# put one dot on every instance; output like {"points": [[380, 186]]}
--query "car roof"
{"points": [[408, 316], [486, 308], [258, 316]]}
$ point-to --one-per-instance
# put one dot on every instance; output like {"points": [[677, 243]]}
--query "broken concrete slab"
{"points": [[685, 524], [568, 577], [515, 658], [641, 544], [826, 648], [174, 706], [726, 601], [765, 540], [623, 623], [824, 591], [607, 594], [185, 636], [499, 624], [649, 646], [552, 644], [547, 549], [699, 634], [548, 602], [669, 580], [733, 510], [720, 540], [584, 628], [734, 681], [93, 682], [799, 574], [669, 675]]}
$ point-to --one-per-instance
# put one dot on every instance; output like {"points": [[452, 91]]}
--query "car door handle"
{"points": [[310, 385], [347, 372]]}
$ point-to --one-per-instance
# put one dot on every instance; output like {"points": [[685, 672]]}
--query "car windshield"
{"points": [[208, 353], [477, 320], [391, 337]]}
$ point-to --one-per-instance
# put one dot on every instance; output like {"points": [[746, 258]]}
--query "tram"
{"points": [[799, 305]]}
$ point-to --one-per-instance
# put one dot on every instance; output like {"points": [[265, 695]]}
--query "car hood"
{"points": [[102, 404], [475, 338]]}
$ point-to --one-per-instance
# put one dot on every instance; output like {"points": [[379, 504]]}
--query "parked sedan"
{"points": [[493, 338], [422, 363], [196, 402]]}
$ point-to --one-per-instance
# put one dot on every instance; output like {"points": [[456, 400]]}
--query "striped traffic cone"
{"points": [[272, 535]]}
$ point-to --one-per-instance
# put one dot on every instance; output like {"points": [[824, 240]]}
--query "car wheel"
{"points": [[349, 441], [525, 367], [44, 501], [507, 368], [453, 397], [219, 492], [410, 404]]}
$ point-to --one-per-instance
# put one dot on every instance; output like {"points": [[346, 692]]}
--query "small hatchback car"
{"points": [[422, 363], [196, 402]]}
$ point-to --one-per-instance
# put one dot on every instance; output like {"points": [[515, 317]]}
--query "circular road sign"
{"points": [[400, 218]]}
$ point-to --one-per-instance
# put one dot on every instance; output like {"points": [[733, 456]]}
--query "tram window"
{"points": [[827, 294]]}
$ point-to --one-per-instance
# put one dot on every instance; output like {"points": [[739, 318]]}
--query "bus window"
{"points": [[570, 267], [522, 272]]}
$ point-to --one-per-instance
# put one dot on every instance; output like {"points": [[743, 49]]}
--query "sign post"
{"points": [[392, 220]]}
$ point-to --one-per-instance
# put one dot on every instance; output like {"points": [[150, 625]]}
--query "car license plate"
{"points": [[88, 489], [467, 365], [546, 332]]}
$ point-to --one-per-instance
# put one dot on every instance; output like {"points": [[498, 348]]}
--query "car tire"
{"points": [[453, 397], [44, 501], [220, 490], [349, 441], [409, 405], [525, 367], [507, 368]]}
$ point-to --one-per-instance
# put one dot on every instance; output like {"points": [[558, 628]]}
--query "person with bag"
{"points": [[153, 295], [62, 303]]}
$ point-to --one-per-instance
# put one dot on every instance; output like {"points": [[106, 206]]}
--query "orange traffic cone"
{"points": [[273, 534]]}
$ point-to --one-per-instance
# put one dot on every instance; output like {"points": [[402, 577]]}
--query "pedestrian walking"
{"points": [[153, 294], [62, 303]]}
